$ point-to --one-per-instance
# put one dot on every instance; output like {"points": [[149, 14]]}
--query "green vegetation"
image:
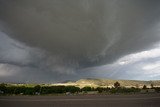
{"points": [[7, 89], [36, 90], [124, 90], [85, 89]]}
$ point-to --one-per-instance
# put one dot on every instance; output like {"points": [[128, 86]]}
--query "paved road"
{"points": [[151, 100]]}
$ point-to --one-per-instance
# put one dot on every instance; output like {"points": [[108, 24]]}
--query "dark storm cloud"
{"points": [[74, 34], [20, 63]]}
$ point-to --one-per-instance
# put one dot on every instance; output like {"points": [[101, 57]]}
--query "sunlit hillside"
{"points": [[110, 83]]}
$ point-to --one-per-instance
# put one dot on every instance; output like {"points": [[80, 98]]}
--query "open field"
{"points": [[139, 100]]}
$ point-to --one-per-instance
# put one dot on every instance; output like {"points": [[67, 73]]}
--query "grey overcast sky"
{"points": [[56, 40]]}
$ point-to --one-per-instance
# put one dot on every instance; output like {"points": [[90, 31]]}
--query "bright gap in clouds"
{"points": [[132, 58], [144, 65]]}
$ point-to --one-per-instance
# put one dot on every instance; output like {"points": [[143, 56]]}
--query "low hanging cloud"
{"points": [[21, 63], [56, 40]]}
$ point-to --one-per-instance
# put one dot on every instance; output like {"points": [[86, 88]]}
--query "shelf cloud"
{"points": [[56, 40]]}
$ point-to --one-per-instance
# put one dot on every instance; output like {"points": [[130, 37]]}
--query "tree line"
{"points": [[43, 90]]}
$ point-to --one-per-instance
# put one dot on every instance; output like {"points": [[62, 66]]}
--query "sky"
{"points": [[48, 41]]}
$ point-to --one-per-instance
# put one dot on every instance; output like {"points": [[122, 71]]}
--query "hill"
{"points": [[110, 83]]}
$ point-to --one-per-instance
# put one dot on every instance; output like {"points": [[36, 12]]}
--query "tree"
{"points": [[144, 87], [117, 84], [86, 89], [72, 89], [2, 88], [37, 88], [152, 86], [100, 89]]}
